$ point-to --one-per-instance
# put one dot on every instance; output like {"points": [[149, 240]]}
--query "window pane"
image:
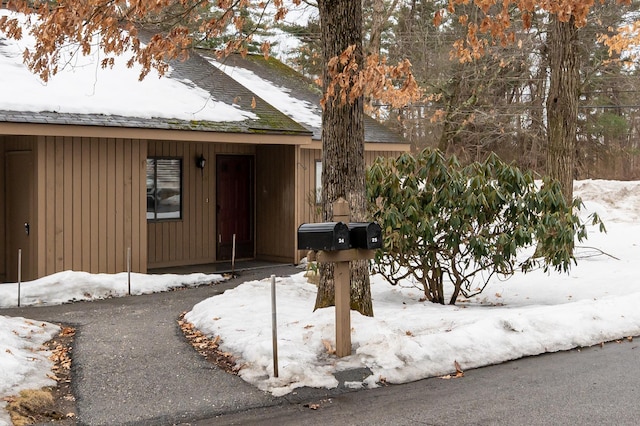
{"points": [[151, 189], [318, 182], [168, 197], [164, 187]]}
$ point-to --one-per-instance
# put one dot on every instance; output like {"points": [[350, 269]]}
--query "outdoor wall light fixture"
{"points": [[200, 161]]}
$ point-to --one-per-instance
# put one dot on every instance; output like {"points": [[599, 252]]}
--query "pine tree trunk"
{"points": [[343, 170], [562, 103]]}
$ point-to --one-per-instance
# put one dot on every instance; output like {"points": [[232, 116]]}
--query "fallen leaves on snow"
{"points": [[459, 373]]}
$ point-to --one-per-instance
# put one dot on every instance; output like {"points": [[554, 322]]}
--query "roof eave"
{"points": [[252, 137]]}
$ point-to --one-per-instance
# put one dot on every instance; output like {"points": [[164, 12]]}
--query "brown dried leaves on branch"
{"points": [[67, 23], [495, 23], [112, 27], [624, 39], [78, 24], [393, 85]]}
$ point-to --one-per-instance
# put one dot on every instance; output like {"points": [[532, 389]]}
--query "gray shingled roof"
{"points": [[304, 89], [223, 88], [104, 120], [197, 71], [194, 71]]}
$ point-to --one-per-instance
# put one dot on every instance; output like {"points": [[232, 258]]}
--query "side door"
{"points": [[19, 214]]}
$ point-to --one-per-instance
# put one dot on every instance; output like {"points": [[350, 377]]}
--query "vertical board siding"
{"points": [[306, 181], [275, 202], [85, 191], [66, 221], [191, 239], [89, 199], [127, 184], [102, 219], [138, 212], [307, 184], [91, 202], [58, 203], [76, 179], [119, 204]]}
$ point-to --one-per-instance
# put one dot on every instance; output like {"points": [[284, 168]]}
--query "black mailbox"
{"points": [[323, 236], [365, 235]]}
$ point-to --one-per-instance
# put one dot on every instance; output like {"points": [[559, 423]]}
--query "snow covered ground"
{"points": [[406, 340]]}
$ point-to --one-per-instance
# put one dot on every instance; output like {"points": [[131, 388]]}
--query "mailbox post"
{"points": [[339, 243], [342, 284]]}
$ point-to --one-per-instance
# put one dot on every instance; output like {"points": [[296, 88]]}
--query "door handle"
{"points": [[27, 228]]}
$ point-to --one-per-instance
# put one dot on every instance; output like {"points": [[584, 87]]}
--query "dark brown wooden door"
{"points": [[234, 206], [19, 214]]}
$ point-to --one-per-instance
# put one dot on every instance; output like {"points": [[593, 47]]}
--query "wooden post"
{"points": [[274, 326], [341, 211], [341, 277], [342, 280], [343, 308], [19, 274]]}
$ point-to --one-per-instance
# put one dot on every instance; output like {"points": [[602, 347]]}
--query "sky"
{"points": [[407, 339], [283, 45]]}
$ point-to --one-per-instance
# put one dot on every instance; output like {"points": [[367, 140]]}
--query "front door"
{"points": [[234, 206], [19, 214]]}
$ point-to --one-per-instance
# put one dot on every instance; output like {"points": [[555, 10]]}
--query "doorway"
{"points": [[234, 206], [19, 214]]}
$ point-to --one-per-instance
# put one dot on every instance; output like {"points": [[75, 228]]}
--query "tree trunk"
{"points": [[380, 18], [562, 103], [343, 171]]}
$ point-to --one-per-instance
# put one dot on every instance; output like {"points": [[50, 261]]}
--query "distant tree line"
{"points": [[497, 102]]}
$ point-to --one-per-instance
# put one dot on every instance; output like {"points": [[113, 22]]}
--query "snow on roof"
{"points": [[82, 86], [279, 96]]}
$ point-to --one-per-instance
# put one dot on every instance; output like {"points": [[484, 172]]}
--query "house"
{"points": [[299, 98], [98, 170]]}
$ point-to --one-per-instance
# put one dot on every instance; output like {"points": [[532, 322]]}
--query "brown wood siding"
{"points": [[307, 180], [307, 209], [191, 239], [275, 203], [90, 204]]}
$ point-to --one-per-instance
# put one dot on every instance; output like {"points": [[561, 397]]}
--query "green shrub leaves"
{"points": [[442, 221]]}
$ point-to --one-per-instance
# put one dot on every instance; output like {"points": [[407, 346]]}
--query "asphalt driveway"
{"points": [[131, 363]]}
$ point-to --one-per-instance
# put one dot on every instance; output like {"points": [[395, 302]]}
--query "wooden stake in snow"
{"points": [[129, 269], [274, 326], [233, 256], [19, 273]]}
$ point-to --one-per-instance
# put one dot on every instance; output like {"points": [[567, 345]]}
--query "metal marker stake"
{"points": [[233, 256], [274, 326], [129, 269], [19, 273]]}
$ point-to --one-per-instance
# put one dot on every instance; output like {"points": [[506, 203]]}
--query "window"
{"points": [[164, 188], [318, 182]]}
